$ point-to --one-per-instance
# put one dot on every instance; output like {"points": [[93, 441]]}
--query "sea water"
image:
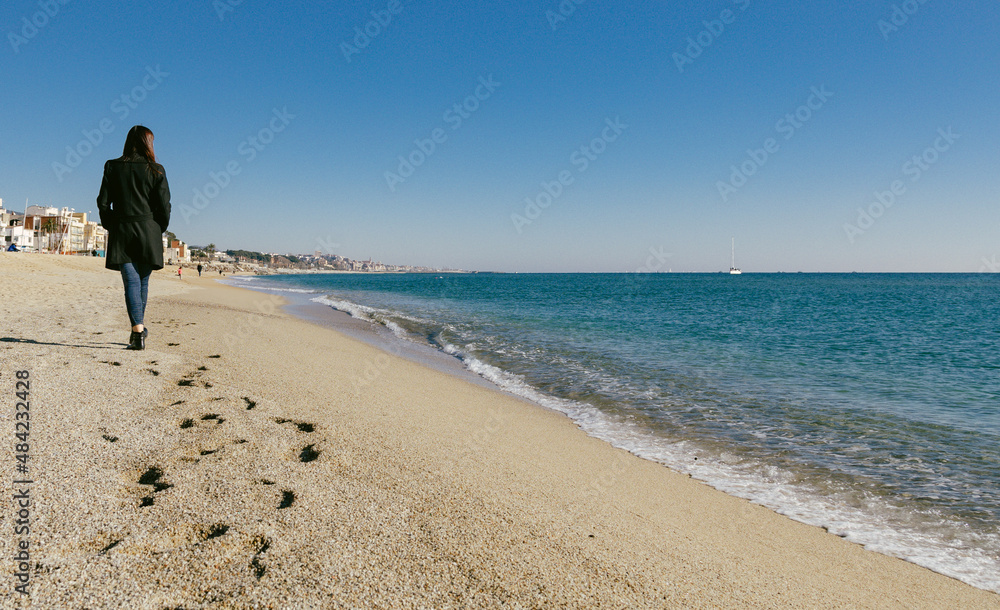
{"points": [[868, 404]]}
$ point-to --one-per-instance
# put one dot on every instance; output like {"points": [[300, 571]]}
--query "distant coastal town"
{"points": [[53, 230]]}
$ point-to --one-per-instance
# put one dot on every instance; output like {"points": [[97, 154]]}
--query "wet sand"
{"points": [[251, 459]]}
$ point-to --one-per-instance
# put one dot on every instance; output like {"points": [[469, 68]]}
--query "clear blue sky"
{"points": [[643, 125]]}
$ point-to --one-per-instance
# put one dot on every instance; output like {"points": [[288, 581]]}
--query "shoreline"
{"points": [[802, 501], [302, 307], [424, 489]]}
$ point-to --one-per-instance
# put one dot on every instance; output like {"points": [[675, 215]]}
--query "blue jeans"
{"points": [[136, 280]]}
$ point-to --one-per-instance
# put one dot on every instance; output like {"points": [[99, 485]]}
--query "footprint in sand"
{"points": [[189, 423], [308, 454], [262, 544], [187, 383], [214, 531], [152, 477], [191, 379], [302, 426]]}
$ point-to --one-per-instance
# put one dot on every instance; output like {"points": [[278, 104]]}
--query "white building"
{"points": [[12, 230], [63, 231], [175, 252], [23, 238]]}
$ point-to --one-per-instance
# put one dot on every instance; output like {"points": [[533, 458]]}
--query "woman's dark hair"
{"points": [[139, 143]]}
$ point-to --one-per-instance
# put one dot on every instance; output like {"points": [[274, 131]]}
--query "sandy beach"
{"points": [[249, 459]]}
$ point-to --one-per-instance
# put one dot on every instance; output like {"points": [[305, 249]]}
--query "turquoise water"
{"points": [[868, 404]]}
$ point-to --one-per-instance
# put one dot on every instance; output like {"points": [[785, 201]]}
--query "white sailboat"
{"points": [[733, 270]]}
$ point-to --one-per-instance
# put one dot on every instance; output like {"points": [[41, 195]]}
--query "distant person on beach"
{"points": [[135, 209], [179, 273], [199, 269]]}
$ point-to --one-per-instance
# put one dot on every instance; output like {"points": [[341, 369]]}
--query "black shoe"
{"points": [[136, 341]]}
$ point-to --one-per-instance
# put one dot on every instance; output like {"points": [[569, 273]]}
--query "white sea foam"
{"points": [[266, 287], [876, 523], [875, 526], [356, 311], [396, 329], [878, 526], [295, 290]]}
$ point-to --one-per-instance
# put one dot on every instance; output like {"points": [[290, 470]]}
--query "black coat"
{"points": [[135, 209]]}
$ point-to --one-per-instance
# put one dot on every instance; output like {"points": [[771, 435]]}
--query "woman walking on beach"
{"points": [[135, 209]]}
